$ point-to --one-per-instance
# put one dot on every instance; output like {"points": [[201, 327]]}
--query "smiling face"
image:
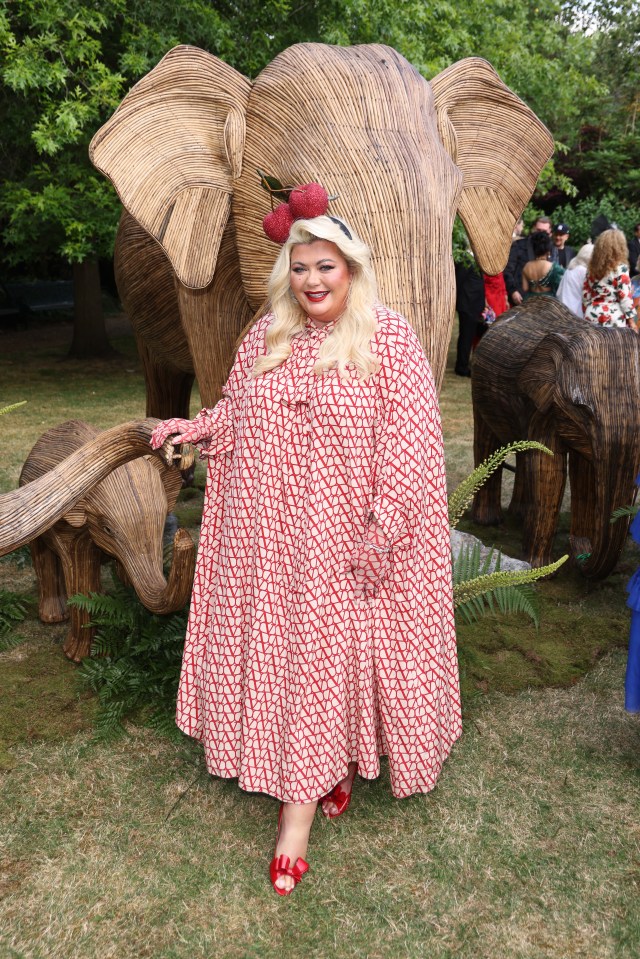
{"points": [[320, 278]]}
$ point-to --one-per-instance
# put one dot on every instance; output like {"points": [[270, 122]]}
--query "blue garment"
{"points": [[632, 678]]}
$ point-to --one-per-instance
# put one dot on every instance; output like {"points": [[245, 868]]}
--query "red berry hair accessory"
{"points": [[302, 202]]}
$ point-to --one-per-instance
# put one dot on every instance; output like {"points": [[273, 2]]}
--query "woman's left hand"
{"points": [[371, 562]]}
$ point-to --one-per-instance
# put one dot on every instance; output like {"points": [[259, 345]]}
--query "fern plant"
{"points": [[476, 590], [135, 662], [13, 406], [12, 612], [464, 493], [622, 511]]}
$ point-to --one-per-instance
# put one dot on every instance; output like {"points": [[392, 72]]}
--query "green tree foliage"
{"points": [[581, 214], [66, 64], [605, 154]]}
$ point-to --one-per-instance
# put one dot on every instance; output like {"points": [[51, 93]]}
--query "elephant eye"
{"points": [[107, 529]]}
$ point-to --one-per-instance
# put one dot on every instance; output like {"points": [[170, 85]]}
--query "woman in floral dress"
{"points": [[606, 295], [321, 633]]}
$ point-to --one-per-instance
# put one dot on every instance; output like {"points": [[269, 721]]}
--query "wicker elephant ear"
{"points": [[173, 149], [500, 146], [538, 379]]}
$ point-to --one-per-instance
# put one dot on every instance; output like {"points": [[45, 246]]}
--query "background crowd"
{"points": [[599, 283]]}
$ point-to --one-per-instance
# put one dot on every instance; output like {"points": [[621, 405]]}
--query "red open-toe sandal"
{"points": [[340, 798], [281, 866]]}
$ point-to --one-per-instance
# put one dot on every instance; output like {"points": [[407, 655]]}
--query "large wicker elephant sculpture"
{"points": [[403, 155], [86, 495], [540, 373]]}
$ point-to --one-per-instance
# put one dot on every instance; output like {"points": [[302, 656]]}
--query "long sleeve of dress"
{"points": [[622, 285], [408, 459], [215, 426]]}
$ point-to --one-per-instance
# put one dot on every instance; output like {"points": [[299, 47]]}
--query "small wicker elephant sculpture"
{"points": [[540, 373], [121, 516]]}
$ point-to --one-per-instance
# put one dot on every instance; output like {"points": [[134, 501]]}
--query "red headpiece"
{"points": [[302, 202]]}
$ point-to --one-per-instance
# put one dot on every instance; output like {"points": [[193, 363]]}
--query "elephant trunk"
{"points": [[165, 596], [27, 512]]}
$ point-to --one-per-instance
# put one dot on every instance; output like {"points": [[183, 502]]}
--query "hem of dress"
{"points": [[423, 789]]}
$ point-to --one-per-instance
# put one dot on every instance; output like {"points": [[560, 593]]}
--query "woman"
{"points": [[321, 632], [541, 277], [606, 295], [570, 289]]}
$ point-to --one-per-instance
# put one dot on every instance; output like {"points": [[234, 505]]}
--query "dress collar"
{"points": [[318, 332]]}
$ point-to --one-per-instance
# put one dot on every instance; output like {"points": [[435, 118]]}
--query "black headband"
{"points": [[341, 225]]}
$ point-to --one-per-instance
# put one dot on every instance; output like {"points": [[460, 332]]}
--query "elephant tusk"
{"points": [[27, 512]]}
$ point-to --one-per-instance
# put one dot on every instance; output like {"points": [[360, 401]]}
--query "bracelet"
{"points": [[376, 548]]}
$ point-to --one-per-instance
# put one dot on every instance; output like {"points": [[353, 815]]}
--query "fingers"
{"points": [[192, 435], [158, 438], [168, 428]]}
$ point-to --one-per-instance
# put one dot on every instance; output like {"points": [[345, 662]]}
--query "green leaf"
{"points": [[621, 512], [465, 592], [12, 611], [135, 659], [13, 406], [462, 496], [274, 187]]}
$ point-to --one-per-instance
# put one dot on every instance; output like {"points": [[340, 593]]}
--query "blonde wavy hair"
{"points": [[350, 339], [609, 251]]}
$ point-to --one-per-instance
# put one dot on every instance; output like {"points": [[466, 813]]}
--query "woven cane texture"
{"points": [[216, 317], [122, 516], [172, 149], [360, 120], [204, 346], [494, 194], [148, 294], [541, 373], [27, 512]]}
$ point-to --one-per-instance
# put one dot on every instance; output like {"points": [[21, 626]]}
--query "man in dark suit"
{"points": [[634, 250], [562, 253], [521, 253]]}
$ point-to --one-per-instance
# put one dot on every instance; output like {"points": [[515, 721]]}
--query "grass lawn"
{"points": [[528, 847]]}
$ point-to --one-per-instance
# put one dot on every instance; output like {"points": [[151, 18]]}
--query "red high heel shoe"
{"points": [[281, 866], [340, 798]]}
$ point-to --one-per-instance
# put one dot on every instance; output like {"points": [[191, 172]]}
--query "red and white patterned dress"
{"points": [[287, 676], [608, 301]]}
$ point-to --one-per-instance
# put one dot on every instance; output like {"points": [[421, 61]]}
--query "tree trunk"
{"points": [[89, 332]]}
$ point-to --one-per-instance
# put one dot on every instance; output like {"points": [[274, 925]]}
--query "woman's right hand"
{"points": [[179, 430]]}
